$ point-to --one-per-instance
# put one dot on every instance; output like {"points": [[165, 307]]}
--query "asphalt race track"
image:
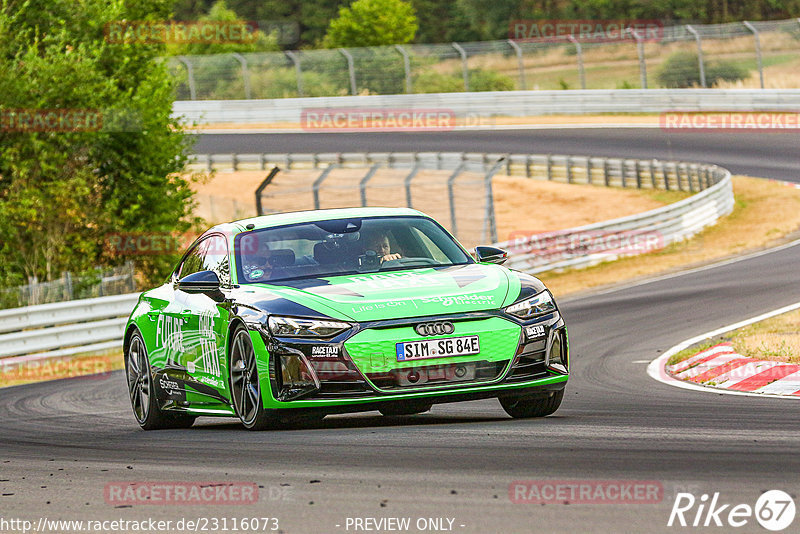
{"points": [[62, 442], [771, 155]]}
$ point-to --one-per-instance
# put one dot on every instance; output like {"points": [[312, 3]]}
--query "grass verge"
{"points": [[775, 339], [766, 213]]}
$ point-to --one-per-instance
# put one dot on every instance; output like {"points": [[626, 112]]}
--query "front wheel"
{"points": [[527, 407], [245, 386], [142, 393]]}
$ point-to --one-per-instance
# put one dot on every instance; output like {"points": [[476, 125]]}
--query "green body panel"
{"points": [[373, 350], [409, 293]]}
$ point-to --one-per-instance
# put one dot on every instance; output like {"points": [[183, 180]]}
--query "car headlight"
{"points": [[294, 327], [540, 304]]}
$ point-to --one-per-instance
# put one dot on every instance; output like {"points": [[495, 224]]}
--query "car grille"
{"points": [[529, 363]]}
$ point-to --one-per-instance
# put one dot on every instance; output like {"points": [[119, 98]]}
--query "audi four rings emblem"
{"points": [[435, 329]]}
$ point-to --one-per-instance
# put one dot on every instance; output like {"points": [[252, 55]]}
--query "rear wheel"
{"points": [[527, 407], [406, 408], [245, 386], [142, 393]]}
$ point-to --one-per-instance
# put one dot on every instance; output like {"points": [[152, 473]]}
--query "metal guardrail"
{"points": [[52, 330], [64, 328], [480, 108]]}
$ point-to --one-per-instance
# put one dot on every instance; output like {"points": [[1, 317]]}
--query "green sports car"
{"points": [[298, 315]]}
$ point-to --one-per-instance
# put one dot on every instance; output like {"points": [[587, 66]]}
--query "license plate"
{"points": [[437, 348]]}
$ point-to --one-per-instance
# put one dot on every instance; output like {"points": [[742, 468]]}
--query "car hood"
{"points": [[396, 294]]}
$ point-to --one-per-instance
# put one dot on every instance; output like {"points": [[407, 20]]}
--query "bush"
{"points": [[479, 80], [681, 69]]}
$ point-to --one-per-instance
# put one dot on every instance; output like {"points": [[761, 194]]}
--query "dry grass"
{"points": [[776, 339], [765, 212]]}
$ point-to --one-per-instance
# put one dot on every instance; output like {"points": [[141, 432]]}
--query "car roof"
{"points": [[295, 217]]}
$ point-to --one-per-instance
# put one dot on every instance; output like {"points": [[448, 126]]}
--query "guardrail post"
{"points": [[318, 182], [407, 183], [622, 174], [362, 185], [638, 174], [589, 170], [640, 50], [605, 171], [292, 55], [678, 176], [569, 169], [464, 67], [758, 51], [406, 67], [699, 54], [708, 176], [520, 63], [190, 72], [245, 76], [452, 199], [689, 176], [549, 167], [260, 190], [653, 174], [527, 165], [235, 161], [210, 162], [579, 51], [351, 69]]}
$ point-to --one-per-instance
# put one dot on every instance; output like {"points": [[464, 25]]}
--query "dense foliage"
{"points": [[65, 189]]}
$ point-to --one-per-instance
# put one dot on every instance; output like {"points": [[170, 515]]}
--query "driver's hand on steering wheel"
{"points": [[389, 257]]}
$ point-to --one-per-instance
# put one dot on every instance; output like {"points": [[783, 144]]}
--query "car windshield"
{"points": [[344, 246]]}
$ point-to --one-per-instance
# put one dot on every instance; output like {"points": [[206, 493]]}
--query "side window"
{"points": [[216, 258], [193, 262]]}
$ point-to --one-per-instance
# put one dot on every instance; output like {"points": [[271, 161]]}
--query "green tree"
{"points": [[65, 190], [372, 23]]}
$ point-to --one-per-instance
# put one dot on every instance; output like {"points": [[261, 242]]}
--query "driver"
{"points": [[379, 242], [259, 267]]}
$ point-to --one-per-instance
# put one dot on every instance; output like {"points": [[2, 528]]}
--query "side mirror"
{"points": [[491, 255], [205, 282]]}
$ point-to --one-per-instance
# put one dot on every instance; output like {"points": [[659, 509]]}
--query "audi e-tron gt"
{"points": [[298, 315]]}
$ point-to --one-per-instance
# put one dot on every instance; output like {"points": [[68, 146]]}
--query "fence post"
{"points": [[407, 183], [260, 190], [318, 182], [452, 199], [190, 72], [699, 54], [362, 185], [520, 63], [464, 67], [406, 67], [640, 50], [579, 50], [351, 68], [758, 51], [291, 54], [68, 295], [489, 219], [245, 76]]}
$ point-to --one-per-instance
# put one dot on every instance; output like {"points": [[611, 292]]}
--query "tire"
{"points": [[244, 384], [406, 408], [528, 407], [142, 393]]}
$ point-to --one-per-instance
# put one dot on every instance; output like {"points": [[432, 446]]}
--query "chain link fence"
{"points": [[116, 281], [758, 54]]}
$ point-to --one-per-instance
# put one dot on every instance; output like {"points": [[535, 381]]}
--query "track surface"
{"points": [[770, 155], [62, 442]]}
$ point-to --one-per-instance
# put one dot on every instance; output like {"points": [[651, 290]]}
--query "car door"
{"points": [[205, 325]]}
